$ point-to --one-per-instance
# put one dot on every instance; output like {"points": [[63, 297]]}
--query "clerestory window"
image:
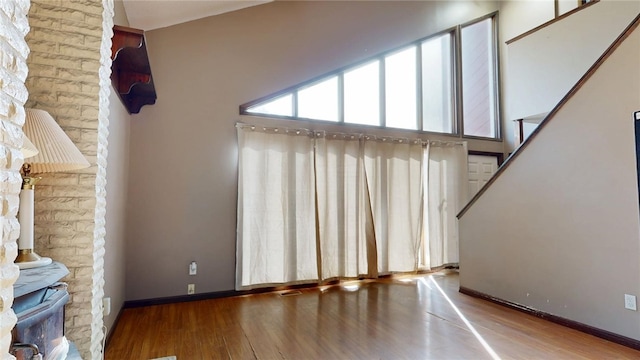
{"points": [[446, 83]]}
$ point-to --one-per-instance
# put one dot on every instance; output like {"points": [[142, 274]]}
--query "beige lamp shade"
{"points": [[28, 149], [56, 151]]}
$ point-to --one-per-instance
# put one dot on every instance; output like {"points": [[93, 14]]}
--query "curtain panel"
{"points": [[394, 178], [345, 224], [276, 211], [446, 194], [314, 206]]}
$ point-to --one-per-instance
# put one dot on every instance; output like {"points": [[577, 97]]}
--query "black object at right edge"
{"points": [[636, 117]]}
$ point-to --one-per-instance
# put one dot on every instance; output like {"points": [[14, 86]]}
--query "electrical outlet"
{"points": [[630, 302], [193, 268], [106, 306], [191, 289]]}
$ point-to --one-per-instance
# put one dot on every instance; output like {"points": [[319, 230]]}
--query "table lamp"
{"points": [[55, 153]]}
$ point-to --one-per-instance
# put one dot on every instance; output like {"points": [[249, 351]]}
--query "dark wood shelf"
{"points": [[130, 70]]}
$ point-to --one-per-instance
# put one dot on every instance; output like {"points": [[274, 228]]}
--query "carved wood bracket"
{"points": [[130, 70]]}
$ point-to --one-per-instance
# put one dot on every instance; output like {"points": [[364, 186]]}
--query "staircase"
{"points": [[557, 229]]}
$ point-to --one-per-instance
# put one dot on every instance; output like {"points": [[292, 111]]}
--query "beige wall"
{"points": [[545, 65], [558, 231], [117, 185], [183, 157], [516, 18], [119, 14], [116, 215], [542, 67]]}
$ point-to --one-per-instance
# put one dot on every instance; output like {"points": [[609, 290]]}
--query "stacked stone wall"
{"points": [[69, 69], [13, 94]]}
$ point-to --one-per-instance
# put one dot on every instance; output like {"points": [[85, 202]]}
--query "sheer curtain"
{"points": [[276, 211], [345, 225], [314, 206], [447, 177], [394, 178]]}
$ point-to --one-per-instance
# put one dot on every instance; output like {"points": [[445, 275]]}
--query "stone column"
{"points": [[69, 69], [13, 94]]}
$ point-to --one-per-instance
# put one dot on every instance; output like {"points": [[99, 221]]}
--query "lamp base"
{"points": [[28, 259]]}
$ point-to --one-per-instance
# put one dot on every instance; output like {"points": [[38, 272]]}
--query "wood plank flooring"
{"points": [[417, 317]]}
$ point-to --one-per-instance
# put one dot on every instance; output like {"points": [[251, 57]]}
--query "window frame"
{"points": [[496, 79], [456, 86]]}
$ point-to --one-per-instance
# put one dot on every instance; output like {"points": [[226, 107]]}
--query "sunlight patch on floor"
{"points": [[475, 333], [351, 287]]}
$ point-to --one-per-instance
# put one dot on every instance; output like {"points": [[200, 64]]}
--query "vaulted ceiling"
{"points": [[154, 14]]}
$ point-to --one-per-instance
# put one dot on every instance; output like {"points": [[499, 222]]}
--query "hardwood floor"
{"points": [[419, 317]]}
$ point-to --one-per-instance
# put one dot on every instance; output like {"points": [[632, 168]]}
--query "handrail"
{"points": [[616, 43]]}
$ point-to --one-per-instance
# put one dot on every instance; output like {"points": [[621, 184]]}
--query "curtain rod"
{"points": [[345, 136]]}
